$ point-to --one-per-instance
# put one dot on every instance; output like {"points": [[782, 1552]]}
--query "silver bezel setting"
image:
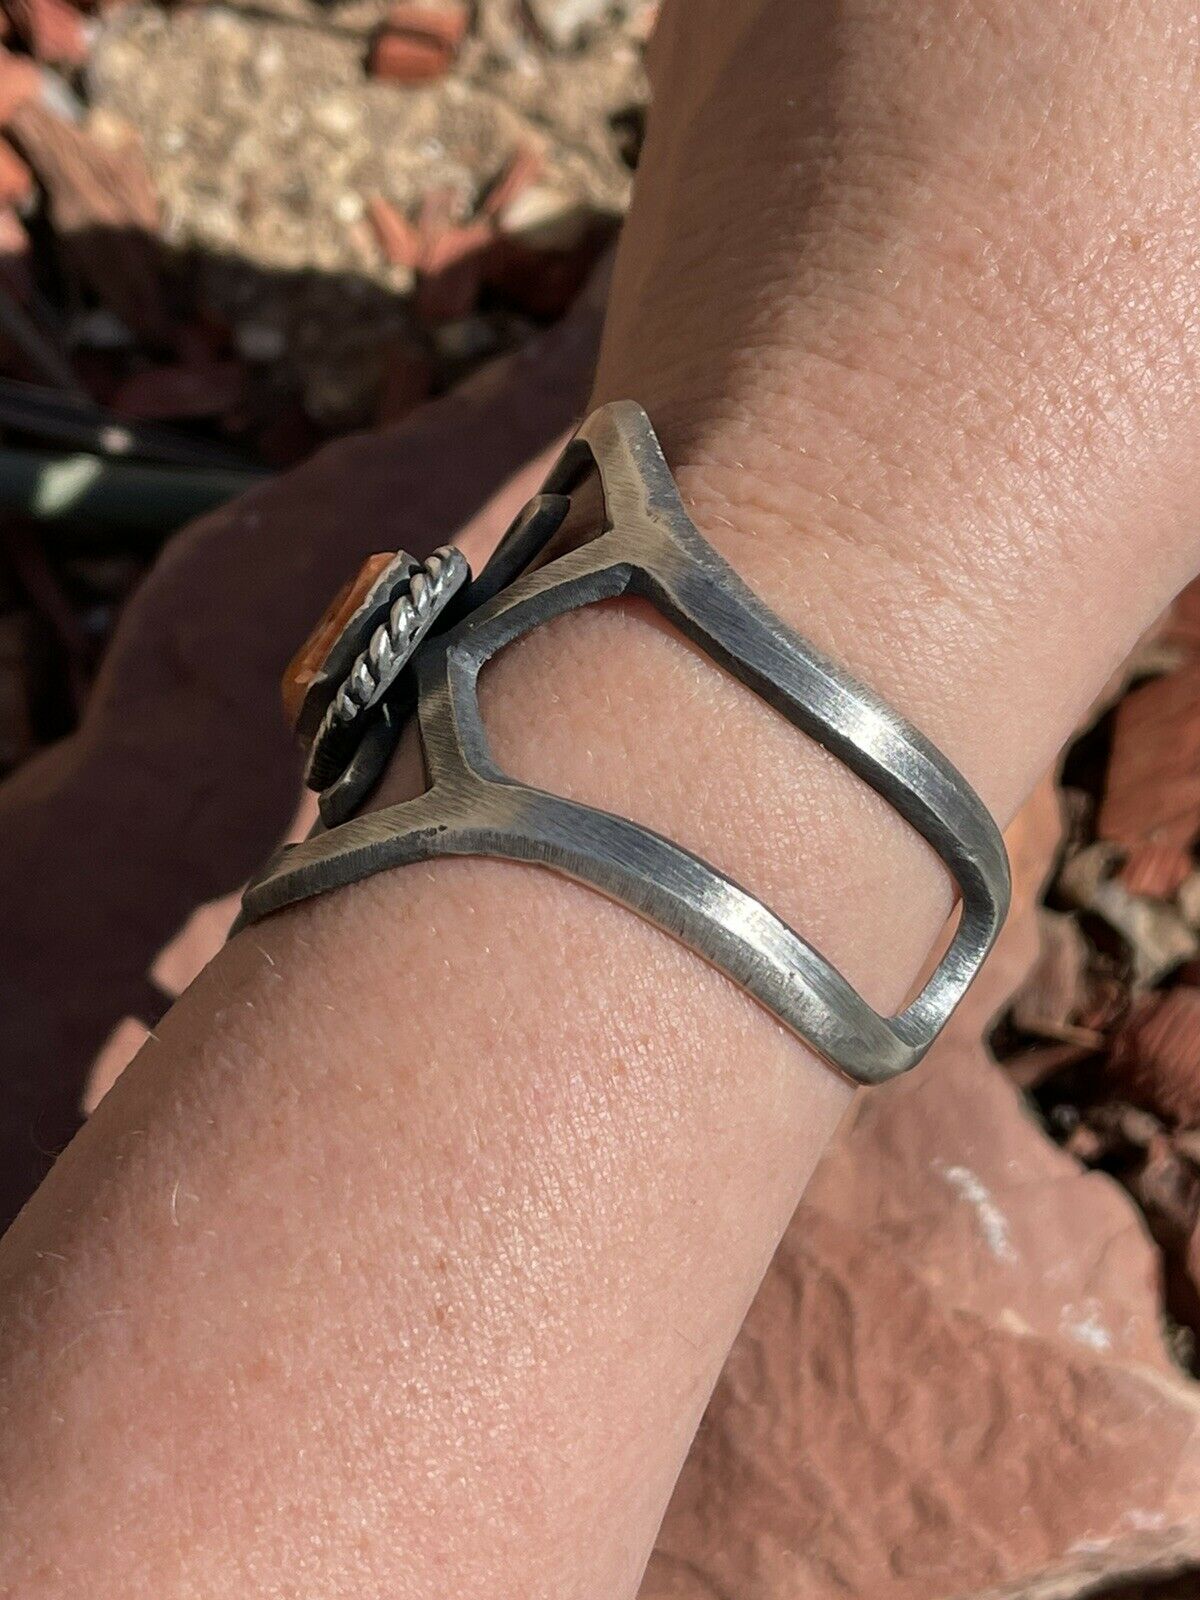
{"points": [[373, 650]]}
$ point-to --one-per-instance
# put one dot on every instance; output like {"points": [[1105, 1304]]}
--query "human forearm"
{"points": [[422, 1231]]}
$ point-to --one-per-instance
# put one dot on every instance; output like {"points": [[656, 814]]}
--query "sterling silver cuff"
{"points": [[650, 548]]}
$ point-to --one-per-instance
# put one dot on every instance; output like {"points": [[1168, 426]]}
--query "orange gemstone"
{"points": [[311, 656]]}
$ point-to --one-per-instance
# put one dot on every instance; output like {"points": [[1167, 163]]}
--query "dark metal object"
{"points": [[357, 776], [650, 548], [40, 413], [371, 653], [128, 494]]}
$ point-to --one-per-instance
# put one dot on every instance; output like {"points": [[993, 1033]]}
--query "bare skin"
{"points": [[404, 1261]]}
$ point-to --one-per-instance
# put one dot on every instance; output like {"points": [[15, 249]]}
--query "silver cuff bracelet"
{"points": [[416, 641]]}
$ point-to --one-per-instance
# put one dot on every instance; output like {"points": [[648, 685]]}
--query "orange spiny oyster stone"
{"points": [[311, 656]]}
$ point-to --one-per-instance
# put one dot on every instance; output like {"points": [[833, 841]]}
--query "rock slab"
{"points": [[952, 1385]]}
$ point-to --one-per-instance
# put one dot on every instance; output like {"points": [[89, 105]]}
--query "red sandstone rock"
{"points": [[1153, 790], [952, 1385], [131, 800], [870, 1439]]}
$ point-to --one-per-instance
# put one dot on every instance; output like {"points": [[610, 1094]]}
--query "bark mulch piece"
{"points": [[520, 173], [20, 82], [455, 259], [53, 29], [453, 268], [417, 43], [104, 212]]}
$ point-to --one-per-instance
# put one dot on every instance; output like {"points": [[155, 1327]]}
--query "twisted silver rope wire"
{"points": [[439, 577]]}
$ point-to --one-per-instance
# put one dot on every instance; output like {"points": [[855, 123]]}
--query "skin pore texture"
{"points": [[403, 1262]]}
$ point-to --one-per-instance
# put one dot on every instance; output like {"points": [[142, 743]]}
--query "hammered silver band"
{"points": [[650, 548]]}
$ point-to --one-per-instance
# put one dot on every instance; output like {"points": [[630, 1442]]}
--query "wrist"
{"points": [[968, 583], [635, 721], [928, 376]]}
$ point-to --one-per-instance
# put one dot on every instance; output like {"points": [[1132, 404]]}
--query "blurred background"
{"points": [[285, 283]]}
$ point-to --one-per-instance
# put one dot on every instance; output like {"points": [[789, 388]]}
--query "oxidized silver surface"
{"points": [[386, 632], [650, 548]]}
